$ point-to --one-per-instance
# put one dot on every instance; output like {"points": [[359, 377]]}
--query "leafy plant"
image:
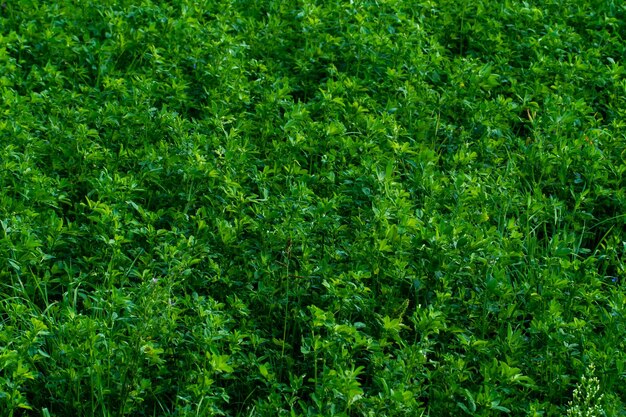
{"points": [[312, 208]]}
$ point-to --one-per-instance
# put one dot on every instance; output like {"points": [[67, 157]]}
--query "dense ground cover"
{"points": [[312, 208]]}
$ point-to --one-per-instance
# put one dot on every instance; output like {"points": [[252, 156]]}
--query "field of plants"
{"points": [[312, 208]]}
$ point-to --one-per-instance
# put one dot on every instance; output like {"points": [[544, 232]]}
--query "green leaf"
{"points": [[220, 363]]}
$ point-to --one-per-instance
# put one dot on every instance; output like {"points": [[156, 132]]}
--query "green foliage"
{"points": [[364, 208]]}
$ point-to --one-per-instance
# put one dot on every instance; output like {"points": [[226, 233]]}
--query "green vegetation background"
{"points": [[312, 208]]}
